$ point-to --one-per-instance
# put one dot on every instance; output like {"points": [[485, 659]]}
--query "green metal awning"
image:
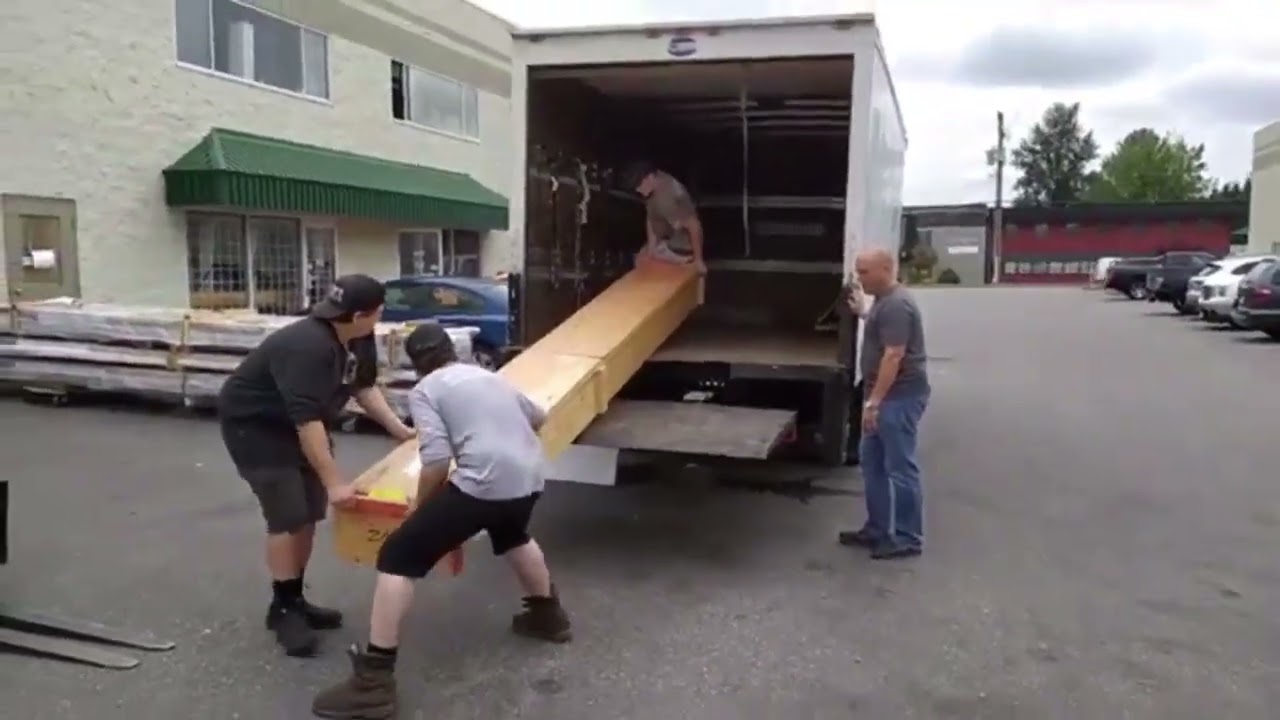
{"points": [[228, 168]]}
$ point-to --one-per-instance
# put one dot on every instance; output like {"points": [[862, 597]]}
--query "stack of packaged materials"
{"points": [[65, 345]]}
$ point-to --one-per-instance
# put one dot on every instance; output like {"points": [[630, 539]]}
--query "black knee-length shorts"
{"points": [[288, 490], [448, 519]]}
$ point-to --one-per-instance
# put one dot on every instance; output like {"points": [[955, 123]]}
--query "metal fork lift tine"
{"points": [[64, 638], [63, 649], [34, 622]]}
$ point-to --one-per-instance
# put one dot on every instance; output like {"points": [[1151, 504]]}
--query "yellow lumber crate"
{"points": [[572, 373]]}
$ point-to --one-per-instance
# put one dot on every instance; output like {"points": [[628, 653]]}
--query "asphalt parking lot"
{"points": [[1103, 533]]}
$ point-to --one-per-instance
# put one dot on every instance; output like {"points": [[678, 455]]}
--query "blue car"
{"points": [[455, 302]]}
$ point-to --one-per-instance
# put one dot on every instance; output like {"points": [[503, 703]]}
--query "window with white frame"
{"points": [[234, 38], [275, 265], [435, 101], [437, 252]]}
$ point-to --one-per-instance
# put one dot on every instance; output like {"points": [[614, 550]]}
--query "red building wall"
{"points": [[1067, 253]]}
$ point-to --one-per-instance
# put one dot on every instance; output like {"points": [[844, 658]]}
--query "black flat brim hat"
{"points": [[426, 338], [350, 294]]}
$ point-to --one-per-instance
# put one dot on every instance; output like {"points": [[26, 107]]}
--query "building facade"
{"points": [[1264, 200], [1063, 244], [957, 234], [240, 153]]}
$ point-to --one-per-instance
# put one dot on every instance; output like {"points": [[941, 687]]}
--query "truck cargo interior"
{"points": [[763, 146]]}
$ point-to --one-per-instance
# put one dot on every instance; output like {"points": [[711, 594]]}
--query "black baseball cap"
{"points": [[426, 338], [350, 294]]}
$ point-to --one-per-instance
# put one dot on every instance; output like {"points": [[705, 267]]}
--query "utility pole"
{"points": [[996, 157]]}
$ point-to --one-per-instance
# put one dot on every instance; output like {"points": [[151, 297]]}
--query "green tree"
{"points": [[1148, 167], [1054, 158], [920, 264], [1233, 191]]}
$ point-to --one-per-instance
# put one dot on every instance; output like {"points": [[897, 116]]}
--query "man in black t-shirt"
{"points": [[277, 409]]}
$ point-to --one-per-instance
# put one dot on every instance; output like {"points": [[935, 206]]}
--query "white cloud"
{"points": [[952, 122]]}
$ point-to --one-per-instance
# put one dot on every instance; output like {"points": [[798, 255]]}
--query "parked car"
{"points": [[1167, 281], [455, 302], [1258, 300], [1129, 276], [1217, 291], [1195, 287], [1101, 269]]}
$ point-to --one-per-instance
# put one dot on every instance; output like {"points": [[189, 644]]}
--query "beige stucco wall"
{"points": [[1264, 202], [368, 247], [96, 106]]}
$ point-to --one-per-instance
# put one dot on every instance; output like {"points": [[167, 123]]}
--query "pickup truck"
{"points": [[1129, 276], [1168, 279]]}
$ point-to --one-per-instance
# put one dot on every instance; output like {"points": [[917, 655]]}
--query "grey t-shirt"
{"points": [[485, 425], [894, 320], [667, 207]]}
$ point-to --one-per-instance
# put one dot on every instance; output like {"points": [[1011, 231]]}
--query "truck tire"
{"points": [[1137, 291]]}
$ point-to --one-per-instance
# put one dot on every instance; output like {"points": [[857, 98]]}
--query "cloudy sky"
{"points": [[1207, 69]]}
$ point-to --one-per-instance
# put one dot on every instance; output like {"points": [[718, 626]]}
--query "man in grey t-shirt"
{"points": [[487, 428], [896, 392]]}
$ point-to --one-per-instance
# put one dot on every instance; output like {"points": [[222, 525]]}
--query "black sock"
{"points": [[286, 592], [385, 652]]}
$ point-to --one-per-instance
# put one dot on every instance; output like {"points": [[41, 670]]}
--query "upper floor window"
{"points": [[434, 101], [234, 38]]}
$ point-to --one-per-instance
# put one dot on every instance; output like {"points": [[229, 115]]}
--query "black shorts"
{"points": [[271, 461], [448, 519]]}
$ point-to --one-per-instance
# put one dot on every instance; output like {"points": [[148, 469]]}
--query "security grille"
{"points": [[436, 252], [321, 262], [217, 261], [271, 265]]}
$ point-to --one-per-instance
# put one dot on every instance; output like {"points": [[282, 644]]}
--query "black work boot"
{"points": [[293, 631], [543, 619], [321, 618], [369, 694], [316, 617]]}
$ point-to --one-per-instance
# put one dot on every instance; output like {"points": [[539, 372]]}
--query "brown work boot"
{"points": [[369, 694], [543, 619]]}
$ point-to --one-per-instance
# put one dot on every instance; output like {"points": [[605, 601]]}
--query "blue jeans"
{"points": [[891, 473]]}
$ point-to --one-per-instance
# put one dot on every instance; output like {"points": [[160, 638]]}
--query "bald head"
{"points": [[875, 269]]}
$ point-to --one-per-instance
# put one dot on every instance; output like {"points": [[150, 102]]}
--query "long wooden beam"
{"points": [[573, 372]]}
